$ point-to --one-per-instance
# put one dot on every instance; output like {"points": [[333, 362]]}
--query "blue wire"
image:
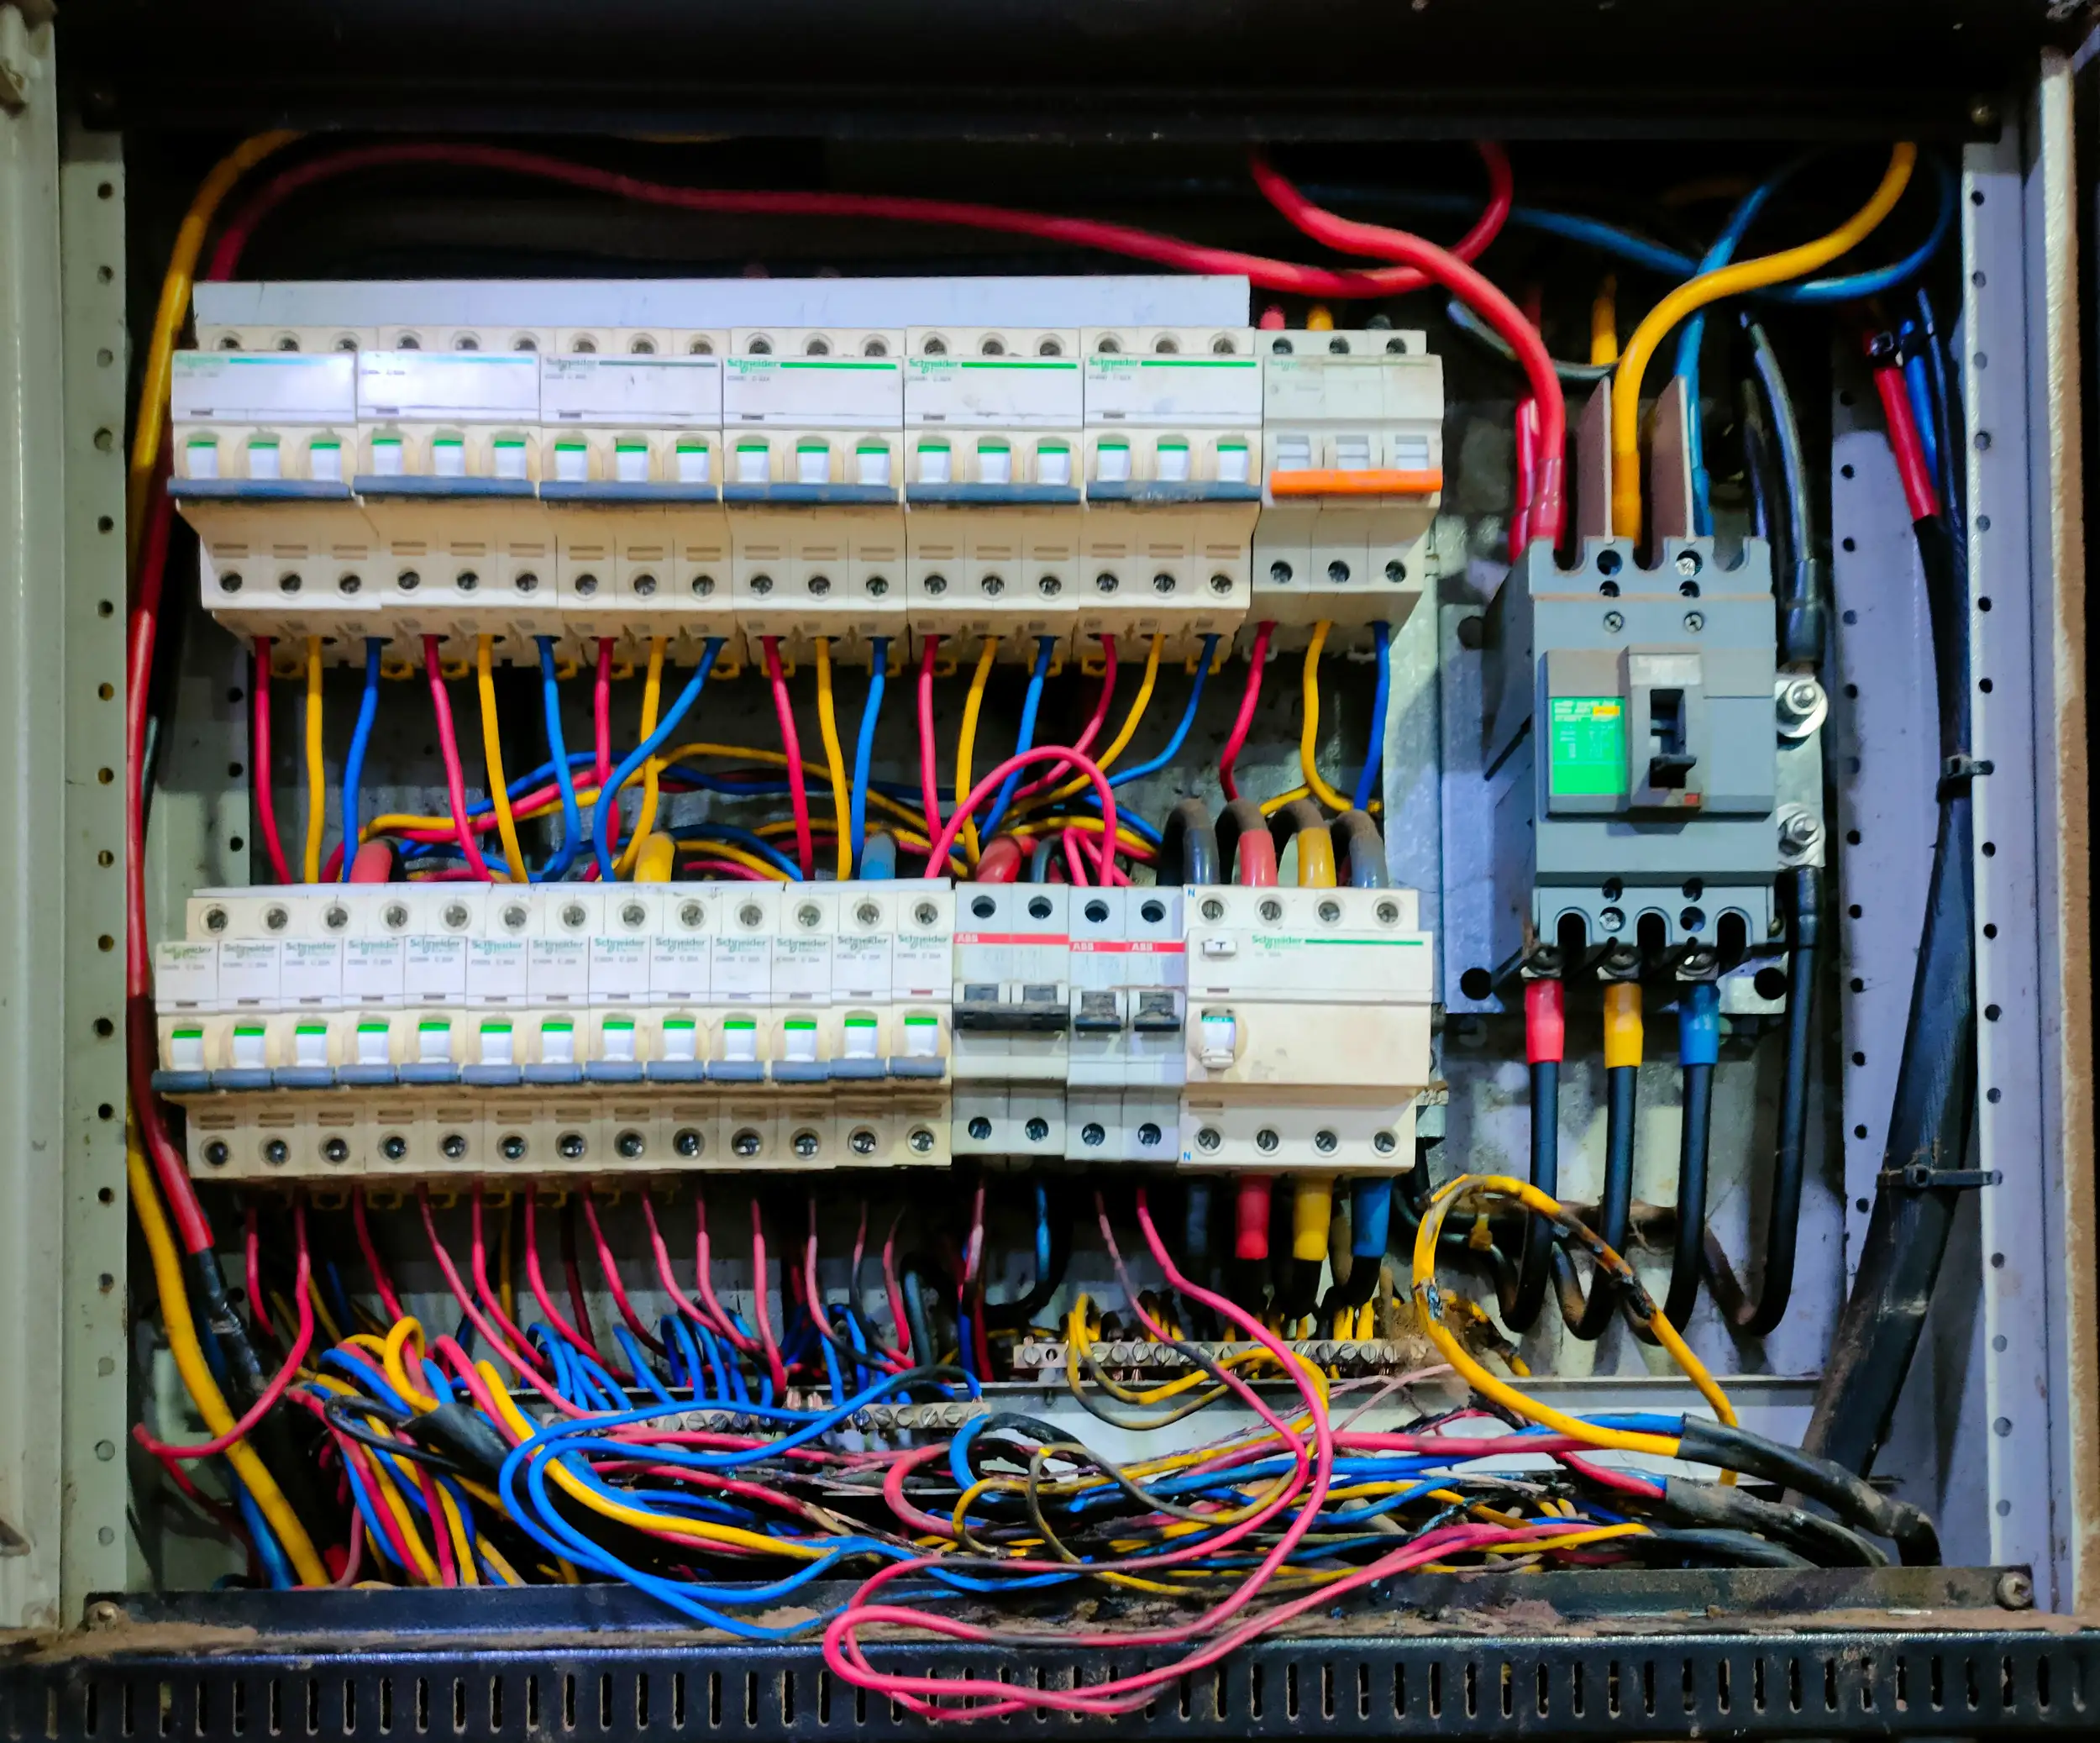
{"points": [[1123, 777], [638, 1360], [830, 1365], [864, 745], [601, 812], [1380, 699], [267, 1549], [1042, 1231], [360, 742], [742, 838], [1924, 412], [878, 856], [571, 842], [1030, 705]]}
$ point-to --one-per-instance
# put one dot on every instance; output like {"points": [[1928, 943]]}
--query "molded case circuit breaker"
{"points": [[1652, 773]]}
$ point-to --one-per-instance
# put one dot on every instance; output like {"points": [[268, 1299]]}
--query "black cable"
{"points": [[1615, 1209], [1800, 587], [922, 1343], [1189, 841], [1535, 1263], [1954, 504], [1018, 1315], [1823, 1541], [1802, 890], [1672, 1546], [1685, 1260], [1364, 847], [1852, 1498]]}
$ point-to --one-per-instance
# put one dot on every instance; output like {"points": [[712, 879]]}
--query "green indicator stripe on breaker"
{"points": [[1012, 363], [1587, 745]]}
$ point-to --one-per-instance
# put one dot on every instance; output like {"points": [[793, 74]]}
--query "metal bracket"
{"points": [[1924, 1177]]}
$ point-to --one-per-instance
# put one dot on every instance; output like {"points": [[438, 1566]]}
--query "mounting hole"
{"points": [[1477, 984], [1770, 984]]}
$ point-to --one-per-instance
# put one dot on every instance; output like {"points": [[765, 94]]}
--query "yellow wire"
{"points": [[657, 859], [1695, 294], [502, 1568], [317, 770], [645, 820], [168, 316], [492, 753], [1309, 734], [321, 1313], [827, 722], [1429, 1302], [1603, 323], [406, 1328], [196, 1374], [967, 742], [404, 1516], [462, 1553]]}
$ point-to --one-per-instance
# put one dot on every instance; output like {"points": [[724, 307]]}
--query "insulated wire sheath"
{"points": [[864, 745], [353, 761], [317, 768], [492, 755], [652, 770], [834, 758]]}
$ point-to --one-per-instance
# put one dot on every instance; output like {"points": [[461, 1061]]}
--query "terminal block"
{"points": [[812, 425], [1013, 1020], [1172, 474], [1307, 1037], [360, 1029], [993, 422], [1126, 1067], [1353, 456], [1652, 773]]}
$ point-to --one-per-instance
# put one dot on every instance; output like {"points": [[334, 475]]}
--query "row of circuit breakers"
{"points": [[361, 1029], [801, 482]]}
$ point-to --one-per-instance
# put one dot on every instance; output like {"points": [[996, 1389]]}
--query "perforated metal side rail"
{"points": [[1838, 1683]]}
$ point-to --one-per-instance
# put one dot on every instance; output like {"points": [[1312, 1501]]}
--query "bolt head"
{"points": [[2014, 1591], [686, 1142], [512, 1148], [451, 1146], [1615, 622], [862, 1141], [630, 1145], [921, 1140]]}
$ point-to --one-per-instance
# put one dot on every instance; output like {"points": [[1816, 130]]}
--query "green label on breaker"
{"points": [[1589, 745]]}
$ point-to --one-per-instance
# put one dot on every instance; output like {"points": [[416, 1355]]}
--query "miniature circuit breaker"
{"points": [[1173, 459], [1013, 1020], [993, 424], [1125, 1066], [812, 427], [1352, 437]]}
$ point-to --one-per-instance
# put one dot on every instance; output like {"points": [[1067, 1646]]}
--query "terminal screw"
{"points": [[1800, 833]]}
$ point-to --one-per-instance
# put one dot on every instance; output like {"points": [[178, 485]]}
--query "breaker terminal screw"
{"points": [[1694, 621], [1148, 1135], [645, 586], [467, 580], [980, 1129], [1325, 1142], [936, 585], [1337, 572], [1687, 564], [526, 582], [1800, 833], [511, 1147], [630, 1145], [820, 586], [1396, 571], [277, 1153], [1267, 1141], [215, 920], [216, 1153], [229, 582], [762, 585], [745, 1142], [861, 1142], [1036, 1130], [878, 587], [1050, 586], [452, 1145], [1209, 1139], [1162, 583], [1385, 1142], [805, 1144], [587, 584], [1279, 572], [685, 1140], [570, 1146], [335, 1150], [921, 1140], [277, 919], [1612, 919], [393, 1146], [1094, 1134], [1106, 583]]}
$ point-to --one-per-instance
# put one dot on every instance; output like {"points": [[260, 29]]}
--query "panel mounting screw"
{"points": [[1615, 622], [104, 1615], [2014, 1591], [1984, 113]]}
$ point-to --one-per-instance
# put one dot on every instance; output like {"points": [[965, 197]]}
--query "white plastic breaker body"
{"points": [[993, 420], [1174, 485], [450, 450], [1013, 1020], [812, 430], [266, 445], [1353, 458], [1126, 1063], [322, 1031], [1308, 1029], [631, 486]]}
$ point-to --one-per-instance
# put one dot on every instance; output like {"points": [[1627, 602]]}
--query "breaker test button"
{"points": [[1220, 1033]]}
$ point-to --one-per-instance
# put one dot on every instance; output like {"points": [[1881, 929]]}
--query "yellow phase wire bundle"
{"points": [[1696, 294], [1309, 733], [652, 770], [492, 753], [966, 743], [834, 758], [317, 768]]}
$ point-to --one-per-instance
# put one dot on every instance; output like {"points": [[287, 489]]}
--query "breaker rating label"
{"points": [[1588, 748]]}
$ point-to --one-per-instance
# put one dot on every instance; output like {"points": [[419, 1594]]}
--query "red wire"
{"points": [[579, 1303], [728, 868], [258, 764], [1527, 433], [1002, 861], [1257, 861], [354, 1559], [704, 1262], [1067, 232], [900, 1322], [302, 1341], [455, 777], [440, 1533], [1544, 1022], [667, 1276], [1249, 1218], [937, 856], [929, 779], [609, 1268], [1918, 491], [1548, 500], [760, 1311], [252, 1239], [499, 1346], [380, 1281], [477, 1266], [1074, 858], [602, 721], [1257, 658], [536, 1281], [790, 744]]}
